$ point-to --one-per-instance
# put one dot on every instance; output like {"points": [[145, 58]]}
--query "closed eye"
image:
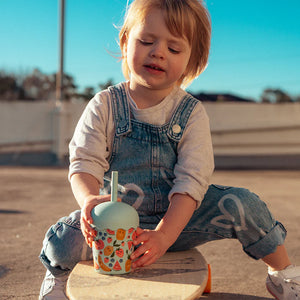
{"points": [[174, 51], [146, 43]]}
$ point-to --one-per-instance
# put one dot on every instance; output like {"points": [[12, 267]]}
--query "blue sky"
{"points": [[255, 44]]}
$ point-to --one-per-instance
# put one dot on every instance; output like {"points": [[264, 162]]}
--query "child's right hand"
{"points": [[86, 219]]}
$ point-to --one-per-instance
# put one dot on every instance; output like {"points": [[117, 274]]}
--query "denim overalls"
{"points": [[145, 156]]}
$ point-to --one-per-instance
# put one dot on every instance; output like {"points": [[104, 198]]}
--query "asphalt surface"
{"points": [[32, 199]]}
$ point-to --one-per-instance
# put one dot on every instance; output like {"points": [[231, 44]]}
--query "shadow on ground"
{"points": [[11, 211], [229, 296]]}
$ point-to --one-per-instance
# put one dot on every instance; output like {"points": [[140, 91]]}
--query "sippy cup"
{"points": [[115, 223]]}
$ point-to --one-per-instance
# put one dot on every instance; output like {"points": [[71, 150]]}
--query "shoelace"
{"points": [[297, 282]]}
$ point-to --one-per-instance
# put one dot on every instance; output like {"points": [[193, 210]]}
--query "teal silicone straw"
{"points": [[114, 186]]}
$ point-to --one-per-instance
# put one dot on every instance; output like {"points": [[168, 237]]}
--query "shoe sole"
{"points": [[272, 293]]}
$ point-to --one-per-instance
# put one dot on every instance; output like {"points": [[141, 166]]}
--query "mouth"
{"points": [[154, 67]]}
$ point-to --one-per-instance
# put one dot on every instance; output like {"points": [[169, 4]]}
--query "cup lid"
{"points": [[114, 215]]}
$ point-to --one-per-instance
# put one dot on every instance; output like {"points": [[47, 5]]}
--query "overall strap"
{"points": [[121, 111], [181, 117]]}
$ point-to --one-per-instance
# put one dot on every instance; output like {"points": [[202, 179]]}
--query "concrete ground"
{"points": [[34, 198]]}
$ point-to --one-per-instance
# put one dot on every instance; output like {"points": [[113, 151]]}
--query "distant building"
{"points": [[221, 98]]}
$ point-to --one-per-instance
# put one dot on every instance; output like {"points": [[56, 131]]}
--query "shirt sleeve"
{"points": [[195, 163], [89, 147]]}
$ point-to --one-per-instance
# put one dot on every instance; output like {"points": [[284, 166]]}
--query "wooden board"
{"points": [[176, 275]]}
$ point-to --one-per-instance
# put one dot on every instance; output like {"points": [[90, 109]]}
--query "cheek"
{"points": [[130, 61], [180, 66], [133, 57]]}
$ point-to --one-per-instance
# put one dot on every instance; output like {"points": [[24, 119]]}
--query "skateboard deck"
{"points": [[176, 275]]}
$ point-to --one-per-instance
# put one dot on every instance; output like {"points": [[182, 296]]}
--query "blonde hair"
{"points": [[184, 18]]}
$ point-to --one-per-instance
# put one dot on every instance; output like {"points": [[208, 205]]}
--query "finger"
{"points": [[142, 237], [87, 209], [139, 251], [89, 219], [150, 261], [84, 219], [147, 259], [87, 213], [90, 242], [86, 229], [89, 239], [85, 226], [139, 231]]}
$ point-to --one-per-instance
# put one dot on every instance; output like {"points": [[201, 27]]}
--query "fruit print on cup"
{"points": [[112, 250], [115, 223]]}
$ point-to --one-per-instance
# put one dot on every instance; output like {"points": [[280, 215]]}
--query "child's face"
{"points": [[156, 58]]}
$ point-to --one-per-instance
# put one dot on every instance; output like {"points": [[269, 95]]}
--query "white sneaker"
{"points": [[53, 288], [285, 284]]}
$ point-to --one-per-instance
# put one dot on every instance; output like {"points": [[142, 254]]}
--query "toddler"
{"points": [[157, 137]]}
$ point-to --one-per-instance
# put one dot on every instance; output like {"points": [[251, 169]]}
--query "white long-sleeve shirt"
{"points": [[90, 147]]}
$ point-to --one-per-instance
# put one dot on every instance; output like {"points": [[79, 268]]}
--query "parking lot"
{"points": [[32, 199]]}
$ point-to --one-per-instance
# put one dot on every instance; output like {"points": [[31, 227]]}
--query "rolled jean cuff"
{"points": [[268, 244], [56, 271]]}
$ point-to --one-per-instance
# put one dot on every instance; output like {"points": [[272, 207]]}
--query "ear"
{"points": [[124, 45]]}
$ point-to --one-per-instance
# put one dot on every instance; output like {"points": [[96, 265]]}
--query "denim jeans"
{"points": [[226, 212], [145, 156]]}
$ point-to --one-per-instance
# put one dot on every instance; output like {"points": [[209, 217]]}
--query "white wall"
{"points": [[249, 128], [35, 126], [237, 128]]}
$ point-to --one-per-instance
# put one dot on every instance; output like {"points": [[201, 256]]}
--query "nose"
{"points": [[158, 51]]}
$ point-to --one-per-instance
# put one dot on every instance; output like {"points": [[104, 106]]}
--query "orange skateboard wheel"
{"points": [[207, 289]]}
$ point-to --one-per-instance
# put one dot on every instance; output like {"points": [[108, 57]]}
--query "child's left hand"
{"points": [[154, 244]]}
